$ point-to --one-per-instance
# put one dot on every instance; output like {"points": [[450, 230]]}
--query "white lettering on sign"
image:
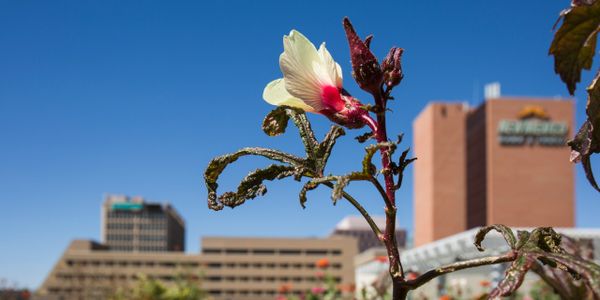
{"points": [[529, 132]]}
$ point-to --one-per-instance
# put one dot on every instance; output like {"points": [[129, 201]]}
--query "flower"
{"points": [[285, 288], [381, 259], [312, 81], [485, 283], [322, 263], [317, 290]]}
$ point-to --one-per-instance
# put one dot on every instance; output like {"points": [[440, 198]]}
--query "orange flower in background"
{"points": [[445, 297], [322, 263], [485, 283], [285, 288], [381, 259], [412, 275], [346, 288]]}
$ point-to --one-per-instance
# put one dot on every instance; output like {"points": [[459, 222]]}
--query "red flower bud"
{"points": [[392, 67], [365, 68]]}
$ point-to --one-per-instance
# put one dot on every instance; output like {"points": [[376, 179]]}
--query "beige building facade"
{"points": [[503, 162], [229, 268]]}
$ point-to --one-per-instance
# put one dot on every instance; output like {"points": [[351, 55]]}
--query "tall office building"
{"points": [[503, 162], [131, 224], [357, 227]]}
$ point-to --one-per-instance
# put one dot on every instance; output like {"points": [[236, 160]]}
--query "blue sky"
{"points": [[136, 97]]}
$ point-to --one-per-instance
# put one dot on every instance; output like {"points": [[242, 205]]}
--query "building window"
{"points": [[236, 251], [211, 251], [213, 278], [263, 251], [316, 252]]}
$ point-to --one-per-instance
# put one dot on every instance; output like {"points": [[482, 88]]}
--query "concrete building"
{"points": [[357, 227], [230, 268], [131, 224], [460, 247], [492, 164]]}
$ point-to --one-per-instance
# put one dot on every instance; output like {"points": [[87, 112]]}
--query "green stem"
{"points": [[361, 209]]}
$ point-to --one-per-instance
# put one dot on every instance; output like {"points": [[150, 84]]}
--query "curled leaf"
{"points": [[218, 164], [364, 137], [324, 148], [276, 121], [506, 232], [252, 185], [587, 140], [574, 43], [542, 249]]}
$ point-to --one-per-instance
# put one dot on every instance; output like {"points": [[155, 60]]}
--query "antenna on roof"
{"points": [[492, 90]]}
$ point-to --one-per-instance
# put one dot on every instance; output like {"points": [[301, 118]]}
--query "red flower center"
{"points": [[332, 98]]}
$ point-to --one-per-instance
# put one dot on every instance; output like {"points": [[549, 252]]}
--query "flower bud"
{"points": [[365, 68], [392, 67]]}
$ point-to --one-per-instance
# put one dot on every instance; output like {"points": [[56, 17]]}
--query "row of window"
{"points": [[129, 237], [214, 265], [272, 251], [100, 277], [252, 292], [125, 215], [69, 290], [110, 263], [120, 277], [295, 279], [269, 265], [142, 226]]}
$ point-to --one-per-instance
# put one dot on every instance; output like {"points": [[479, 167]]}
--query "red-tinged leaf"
{"points": [[574, 43], [587, 139], [513, 277], [541, 250]]}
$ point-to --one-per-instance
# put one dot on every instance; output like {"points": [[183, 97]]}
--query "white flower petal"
{"points": [[276, 94], [329, 67], [297, 64]]}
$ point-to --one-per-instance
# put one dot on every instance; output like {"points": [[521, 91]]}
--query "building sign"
{"points": [[533, 127]]}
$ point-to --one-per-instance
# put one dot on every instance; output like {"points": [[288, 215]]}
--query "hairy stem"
{"points": [[389, 237], [431, 274]]}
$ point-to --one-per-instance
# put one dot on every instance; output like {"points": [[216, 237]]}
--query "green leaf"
{"points": [[252, 185], [587, 139], [218, 164], [306, 133], [276, 121], [574, 43], [562, 282], [324, 148], [542, 249], [367, 165], [365, 136], [506, 232], [592, 108], [311, 185], [513, 277], [337, 183]]}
